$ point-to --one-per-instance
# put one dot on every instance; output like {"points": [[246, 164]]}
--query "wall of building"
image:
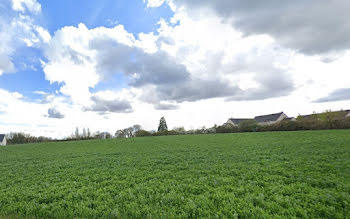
{"points": [[231, 123], [282, 116], [4, 142]]}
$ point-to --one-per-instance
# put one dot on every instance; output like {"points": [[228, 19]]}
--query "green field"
{"points": [[247, 175]]}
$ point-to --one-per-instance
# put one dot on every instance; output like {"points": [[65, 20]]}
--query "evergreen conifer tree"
{"points": [[162, 125]]}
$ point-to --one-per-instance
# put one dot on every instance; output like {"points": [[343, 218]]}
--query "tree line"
{"points": [[321, 121], [326, 120], [22, 138]]}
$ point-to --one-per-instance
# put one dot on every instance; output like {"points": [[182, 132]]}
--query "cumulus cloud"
{"points": [[6, 64], [306, 26], [16, 110], [337, 95], [154, 3], [220, 63], [109, 106], [142, 68], [103, 53], [22, 5], [174, 65], [164, 78], [74, 63], [19, 30], [54, 113], [6, 47]]}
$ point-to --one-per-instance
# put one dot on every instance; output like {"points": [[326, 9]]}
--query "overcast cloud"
{"points": [[311, 27], [337, 95]]}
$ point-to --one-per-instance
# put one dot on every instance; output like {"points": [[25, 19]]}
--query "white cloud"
{"points": [[6, 64], [17, 114], [22, 5], [6, 49], [19, 30], [40, 92], [147, 42], [43, 34], [212, 53], [154, 3], [177, 62], [292, 24], [73, 63]]}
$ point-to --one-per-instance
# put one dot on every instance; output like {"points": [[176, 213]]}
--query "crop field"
{"points": [[247, 175]]}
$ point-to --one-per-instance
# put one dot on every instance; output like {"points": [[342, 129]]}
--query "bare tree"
{"points": [[84, 133], [119, 134], [77, 133]]}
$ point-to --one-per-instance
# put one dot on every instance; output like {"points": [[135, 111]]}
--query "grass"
{"points": [[247, 175]]}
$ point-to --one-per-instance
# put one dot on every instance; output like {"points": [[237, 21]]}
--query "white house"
{"points": [[3, 140]]}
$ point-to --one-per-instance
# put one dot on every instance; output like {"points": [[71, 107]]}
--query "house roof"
{"points": [[237, 121], [268, 118], [2, 136]]}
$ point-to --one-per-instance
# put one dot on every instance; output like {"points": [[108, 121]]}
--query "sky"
{"points": [[109, 64]]}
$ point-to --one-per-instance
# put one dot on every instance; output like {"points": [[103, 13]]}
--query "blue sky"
{"points": [[110, 64], [132, 14]]}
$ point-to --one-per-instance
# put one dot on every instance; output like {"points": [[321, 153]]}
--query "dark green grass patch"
{"points": [[247, 175]]}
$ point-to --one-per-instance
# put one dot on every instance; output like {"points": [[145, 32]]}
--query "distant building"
{"points": [[103, 135], [3, 141], [271, 118], [261, 120]]}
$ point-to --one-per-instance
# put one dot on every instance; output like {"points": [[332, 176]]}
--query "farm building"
{"points": [[3, 141], [270, 119], [262, 120]]}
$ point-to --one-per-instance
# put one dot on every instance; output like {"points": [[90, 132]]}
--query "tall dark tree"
{"points": [[162, 125]]}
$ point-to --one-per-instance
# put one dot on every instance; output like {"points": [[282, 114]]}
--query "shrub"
{"points": [[248, 126], [228, 128], [142, 133]]}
